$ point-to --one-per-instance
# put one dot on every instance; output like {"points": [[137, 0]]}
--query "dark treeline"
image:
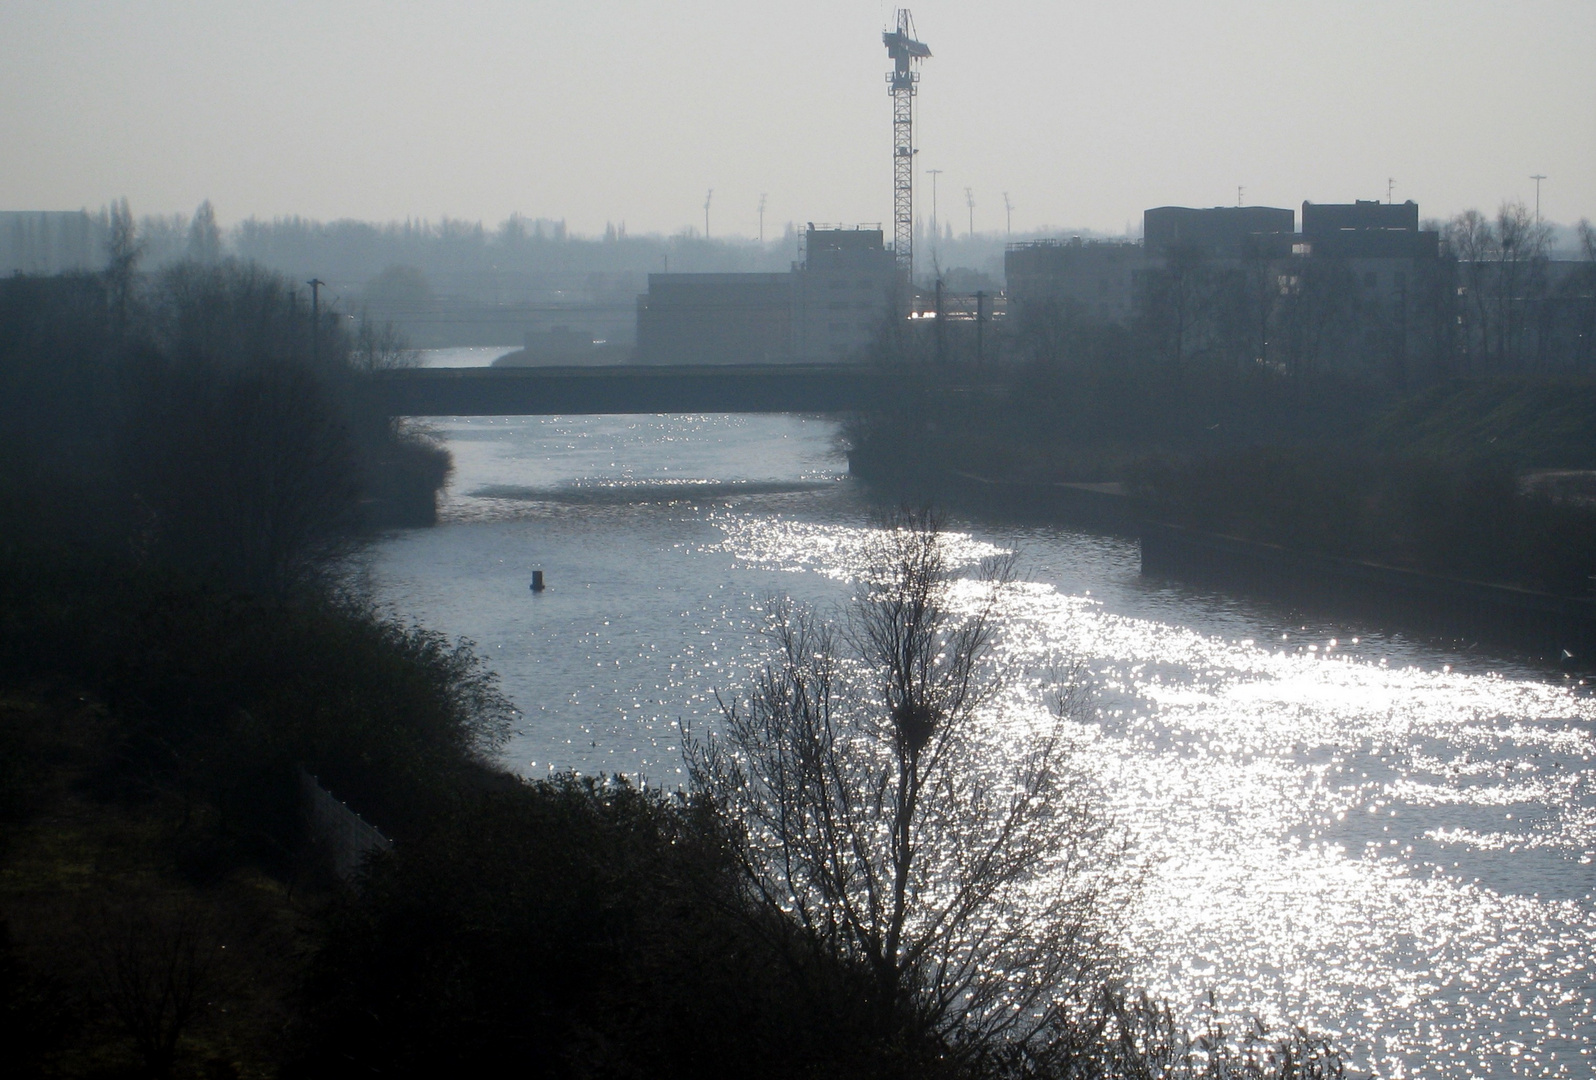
{"points": [[1442, 426], [203, 415]]}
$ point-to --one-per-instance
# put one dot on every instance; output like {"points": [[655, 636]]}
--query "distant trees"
{"points": [[398, 286], [123, 257], [204, 235], [195, 415], [1503, 288]]}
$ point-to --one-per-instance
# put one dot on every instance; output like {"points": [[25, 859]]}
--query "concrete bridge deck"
{"points": [[634, 388]]}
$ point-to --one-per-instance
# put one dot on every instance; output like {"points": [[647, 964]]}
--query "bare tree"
{"points": [[880, 812], [1176, 303], [153, 961], [1521, 245], [1471, 239], [1320, 317], [380, 346]]}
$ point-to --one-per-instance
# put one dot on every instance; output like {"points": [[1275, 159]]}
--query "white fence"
{"points": [[344, 836]]}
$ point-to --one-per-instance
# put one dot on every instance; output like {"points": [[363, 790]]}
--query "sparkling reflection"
{"points": [[1378, 838]]}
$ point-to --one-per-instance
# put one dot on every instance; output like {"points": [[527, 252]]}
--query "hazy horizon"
{"points": [[611, 113]]}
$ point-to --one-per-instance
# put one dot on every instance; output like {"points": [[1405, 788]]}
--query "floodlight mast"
{"points": [[904, 52]]}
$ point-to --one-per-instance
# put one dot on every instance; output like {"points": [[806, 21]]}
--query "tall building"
{"points": [[1381, 244], [830, 308], [843, 294]]}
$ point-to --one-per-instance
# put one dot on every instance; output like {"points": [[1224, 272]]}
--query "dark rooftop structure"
{"points": [[1367, 229], [1218, 232], [1319, 219]]}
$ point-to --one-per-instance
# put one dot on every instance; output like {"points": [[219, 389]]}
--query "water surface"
{"points": [[1389, 839]]}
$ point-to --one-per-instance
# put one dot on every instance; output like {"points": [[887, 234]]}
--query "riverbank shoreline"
{"points": [[1557, 628]]}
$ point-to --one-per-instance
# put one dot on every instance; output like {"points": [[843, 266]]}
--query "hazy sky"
{"points": [[589, 110]]}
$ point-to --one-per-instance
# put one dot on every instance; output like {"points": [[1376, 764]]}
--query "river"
{"points": [[1388, 839]]}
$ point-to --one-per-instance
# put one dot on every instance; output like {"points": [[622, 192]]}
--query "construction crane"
{"points": [[904, 52]]}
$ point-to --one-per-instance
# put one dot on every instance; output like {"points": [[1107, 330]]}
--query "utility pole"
{"points": [[936, 229], [761, 218], [1537, 178], [707, 197], [1239, 190], [315, 320], [1390, 185], [980, 328], [969, 200], [1008, 220]]}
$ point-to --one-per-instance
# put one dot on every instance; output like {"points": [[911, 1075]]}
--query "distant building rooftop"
{"points": [[1367, 229], [1223, 231], [1319, 219], [844, 238]]}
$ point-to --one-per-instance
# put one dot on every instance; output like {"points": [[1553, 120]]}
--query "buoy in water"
{"points": [[537, 581]]}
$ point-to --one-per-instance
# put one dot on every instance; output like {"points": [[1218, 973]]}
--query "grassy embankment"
{"points": [[1459, 479]]}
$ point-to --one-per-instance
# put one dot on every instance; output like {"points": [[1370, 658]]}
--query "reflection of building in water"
{"points": [[50, 241], [830, 307]]}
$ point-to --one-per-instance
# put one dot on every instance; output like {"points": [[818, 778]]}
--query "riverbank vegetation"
{"points": [[1464, 445], [185, 475]]}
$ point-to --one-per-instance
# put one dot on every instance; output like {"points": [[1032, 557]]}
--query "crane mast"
{"points": [[904, 52]]}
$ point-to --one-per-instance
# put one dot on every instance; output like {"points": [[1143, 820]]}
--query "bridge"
{"points": [[632, 388]]}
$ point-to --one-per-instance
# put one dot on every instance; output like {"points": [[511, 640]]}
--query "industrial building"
{"points": [[844, 294], [1380, 244], [1100, 275], [828, 308], [1220, 232], [716, 319]]}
